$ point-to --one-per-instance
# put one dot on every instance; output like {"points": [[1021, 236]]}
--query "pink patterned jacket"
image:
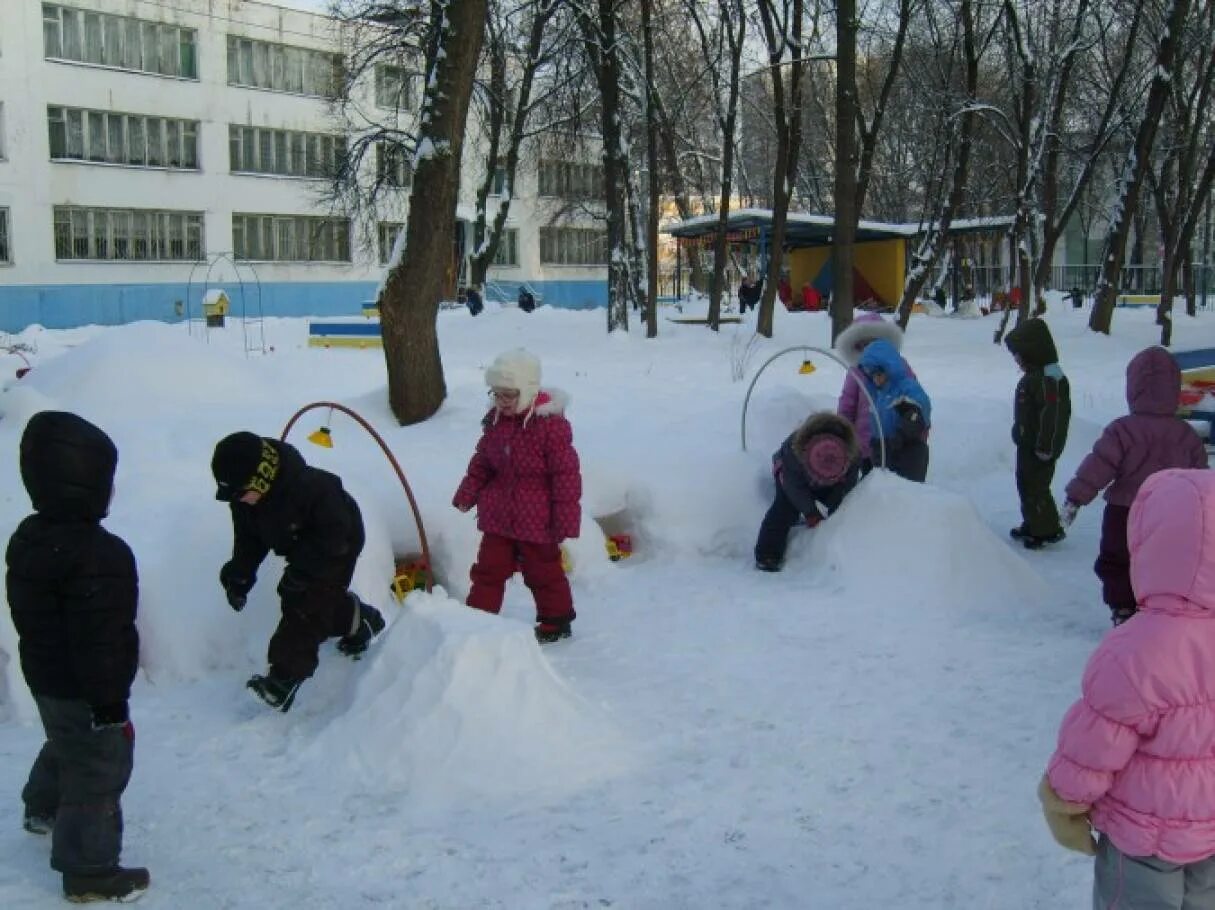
{"points": [[524, 477], [1139, 746]]}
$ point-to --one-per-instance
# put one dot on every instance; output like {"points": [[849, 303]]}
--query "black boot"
{"points": [[276, 691], [122, 885], [1037, 543], [1018, 533], [371, 624], [549, 631], [769, 563]]}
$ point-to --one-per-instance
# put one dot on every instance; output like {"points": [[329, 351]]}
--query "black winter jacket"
{"points": [[72, 586], [306, 517], [1042, 408]]}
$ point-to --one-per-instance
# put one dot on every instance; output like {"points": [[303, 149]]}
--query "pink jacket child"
{"points": [[1136, 754], [853, 405], [525, 481], [1131, 449]]}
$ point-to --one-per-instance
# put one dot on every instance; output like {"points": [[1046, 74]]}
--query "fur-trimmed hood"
{"points": [[546, 403], [827, 422], [866, 327]]}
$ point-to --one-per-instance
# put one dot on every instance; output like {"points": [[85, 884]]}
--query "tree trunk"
{"points": [[651, 157], [844, 239], [1102, 316], [409, 304]]}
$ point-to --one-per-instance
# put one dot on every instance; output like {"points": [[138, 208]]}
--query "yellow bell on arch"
{"points": [[807, 367], [321, 437]]}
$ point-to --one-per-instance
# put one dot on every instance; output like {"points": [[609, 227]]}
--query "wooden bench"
{"points": [[1130, 300]]}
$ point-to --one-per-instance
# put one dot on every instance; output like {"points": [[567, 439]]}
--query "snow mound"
{"points": [[911, 546], [456, 700]]}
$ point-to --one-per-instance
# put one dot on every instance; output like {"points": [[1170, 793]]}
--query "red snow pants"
{"points": [[497, 560]]}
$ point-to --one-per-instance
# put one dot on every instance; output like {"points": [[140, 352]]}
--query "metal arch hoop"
{"points": [[831, 356]]}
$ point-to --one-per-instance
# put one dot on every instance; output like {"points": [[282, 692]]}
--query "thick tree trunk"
{"points": [[410, 300], [651, 157]]}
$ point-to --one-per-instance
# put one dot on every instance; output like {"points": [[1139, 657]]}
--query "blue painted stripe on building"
{"points": [[65, 306], [364, 329]]}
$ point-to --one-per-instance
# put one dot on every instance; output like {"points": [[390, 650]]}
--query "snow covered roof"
{"points": [[806, 229]]}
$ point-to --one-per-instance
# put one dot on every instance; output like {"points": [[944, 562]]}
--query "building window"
{"points": [[290, 238], [282, 68], [3, 155], [388, 231], [393, 88], [573, 246], [508, 248], [121, 42], [567, 180], [6, 255], [128, 234], [497, 186], [393, 166], [254, 150], [111, 138]]}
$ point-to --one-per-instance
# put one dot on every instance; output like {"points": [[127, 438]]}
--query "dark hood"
{"points": [[67, 466], [1153, 383], [1032, 342]]}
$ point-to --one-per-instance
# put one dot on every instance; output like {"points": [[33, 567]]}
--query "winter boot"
{"points": [[1018, 533], [122, 885], [38, 822], [368, 624], [276, 691], [769, 563], [551, 630], [1037, 543]]}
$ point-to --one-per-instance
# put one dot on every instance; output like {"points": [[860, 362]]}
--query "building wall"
{"points": [[35, 287]]}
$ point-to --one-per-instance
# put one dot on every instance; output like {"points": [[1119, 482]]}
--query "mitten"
{"points": [[235, 587], [1068, 822], [109, 717], [1067, 512]]}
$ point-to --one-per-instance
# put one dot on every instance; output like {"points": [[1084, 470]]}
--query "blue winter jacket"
{"points": [[900, 387]]}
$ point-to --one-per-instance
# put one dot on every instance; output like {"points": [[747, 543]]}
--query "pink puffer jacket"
{"points": [[524, 477], [1139, 746]]}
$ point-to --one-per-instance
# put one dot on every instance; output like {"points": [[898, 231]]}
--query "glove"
{"points": [[236, 589], [1067, 512], [110, 717], [463, 508], [813, 520], [1068, 822]]}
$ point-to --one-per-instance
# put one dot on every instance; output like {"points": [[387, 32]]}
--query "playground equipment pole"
{"points": [[413, 504], [831, 356]]}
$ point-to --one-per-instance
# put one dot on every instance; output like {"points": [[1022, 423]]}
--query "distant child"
{"points": [[853, 404], [1132, 448], [1133, 760], [784, 290], [904, 412], [73, 590], [472, 299], [814, 469], [525, 481], [280, 503], [1042, 411]]}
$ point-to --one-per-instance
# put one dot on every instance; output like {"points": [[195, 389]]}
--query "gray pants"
{"points": [[1149, 883], [78, 778]]}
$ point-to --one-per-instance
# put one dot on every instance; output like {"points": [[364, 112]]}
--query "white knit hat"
{"points": [[517, 369]]}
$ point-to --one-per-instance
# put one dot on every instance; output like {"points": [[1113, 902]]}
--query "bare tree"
{"points": [[781, 24], [651, 157], [409, 302], [1135, 166], [846, 210], [721, 36]]}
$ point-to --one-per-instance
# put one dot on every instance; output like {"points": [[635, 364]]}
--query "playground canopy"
{"points": [[880, 253]]}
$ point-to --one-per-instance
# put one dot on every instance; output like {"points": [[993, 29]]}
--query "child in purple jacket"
{"points": [[1132, 448]]}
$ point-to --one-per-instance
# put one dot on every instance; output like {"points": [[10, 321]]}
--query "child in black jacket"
{"points": [[73, 591], [302, 513], [814, 469], [1042, 410]]}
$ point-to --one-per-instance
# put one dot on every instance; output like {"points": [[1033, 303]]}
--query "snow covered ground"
{"points": [[865, 729]]}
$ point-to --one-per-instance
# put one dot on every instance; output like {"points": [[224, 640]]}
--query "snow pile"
{"points": [[457, 701]]}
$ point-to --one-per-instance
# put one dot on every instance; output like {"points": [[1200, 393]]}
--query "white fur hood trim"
{"points": [[868, 330]]}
